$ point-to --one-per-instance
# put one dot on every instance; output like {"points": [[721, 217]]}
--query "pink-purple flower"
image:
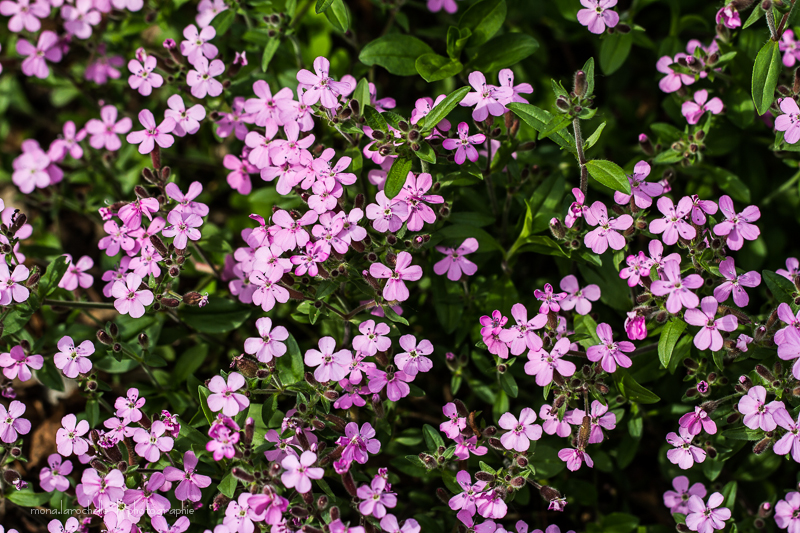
{"points": [[607, 233], [46, 49], [598, 14], [331, 366], [737, 227], [17, 364], [642, 191], [709, 335], [269, 343], [224, 395], [757, 412], [486, 98], [677, 289], [685, 454], [395, 288], [130, 300], [694, 110], [543, 365], [520, 432], [610, 353], [678, 499], [464, 144], [299, 471], [706, 518], [735, 283], [152, 134]]}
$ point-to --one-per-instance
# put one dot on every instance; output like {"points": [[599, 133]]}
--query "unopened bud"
{"points": [[579, 84]]}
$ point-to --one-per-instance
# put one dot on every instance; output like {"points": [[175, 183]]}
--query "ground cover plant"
{"points": [[492, 266]]}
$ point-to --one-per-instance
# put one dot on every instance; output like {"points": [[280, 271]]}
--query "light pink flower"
{"points": [[598, 15], [187, 121], [700, 208], [786, 512], [387, 214], [486, 98], [454, 263], [269, 342], [694, 110], [24, 14], [190, 482], [330, 366], [606, 234], [201, 78], [53, 477], [224, 397], [697, 421], [183, 229], [376, 498], [320, 87], [707, 518], [12, 287], [68, 143], [685, 454], [413, 360], [642, 191], [196, 43], [735, 283], [577, 298], [456, 424], [71, 359], [464, 144], [610, 353], [574, 458], [207, 10], [46, 49], [142, 77], [673, 80], [677, 500], [152, 134], [105, 134], [737, 227], [729, 17], [299, 472], [520, 432], [129, 299], [79, 19], [395, 288], [151, 443], [434, 6], [506, 79], [373, 338], [709, 335], [69, 438], [757, 412], [677, 289], [673, 224], [543, 365], [16, 364]]}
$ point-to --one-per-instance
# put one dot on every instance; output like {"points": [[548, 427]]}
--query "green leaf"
{"points": [[754, 17], [483, 19], [433, 67], [729, 182], [503, 51], [432, 437], [291, 368], [396, 177], [361, 94], [93, 412], [766, 70], [426, 153], [556, 123], [619, 523], [223, 21], [781, 288], [509, 384], [443, 108], [729, 493], [268, 409], [588, 69], [219, 316], [338, 15], [631, 389], [189, 362], [393, 316], [743, 433], [375, 120], [457, 40], [28, 498], [55, 271], [670, 334], [614, 51], [204, 393], [395, 52], [228, 485], [538, 118], [322, 5], [609, 174], [594, 137], [269, 52]]}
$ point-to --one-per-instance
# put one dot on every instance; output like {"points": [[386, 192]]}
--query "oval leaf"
{"points": [[396, 53], [765, 76], [609, 174]]}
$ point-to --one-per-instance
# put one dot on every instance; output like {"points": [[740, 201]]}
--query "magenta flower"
{"points": [[574, 458], [151, 443], [550, 300], [265, 106], [506, 79], [464, 144], [69, 438], [737, 227], [551, 424], [129, 299], [453, 427], [735, 283], [423, 106], [46, 49], [373, 338], [789, 46], [196, 43], [434, 6], [610, 353], [642, 191], [486, 98], [267, 290], [223, 444], [792, 271], [577, 298], [700, 208], [68, 143], [673, 224], [598, 15], [201, 78], [576, 209], [709, 335], [359, 444], [466, 500], [307, 261], [685, 454], [187, 121], [239, 178], [694, 110], [330, 366], [376, 498], [207, 10], [131, 213], [787, 512], [183, 229], [320, 87], [24, 14], [413, 360], [414, 195], [522, 335], [757, 412], [72, 360], [673, 80], [454, 263], [299, 472], [789, 122], [11, 284], [76, 274], [269, 342], [697, 421], [520, 432], [53, 477], [677, 500], [103, 67], [186, 203], [728, 16], [224, 397], [104, 134], [152, 134], [543, 365], [143, 78], [396, 383], [606, 234], [128, 408], [707, 518], [677, 289], [292, 235], [387, 214], [18, 365], [79, 19], [638, 267], [635, 326], [395, 289]]}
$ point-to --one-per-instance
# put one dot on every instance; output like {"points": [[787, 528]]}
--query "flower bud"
{"points": [[243, 475], [562, 104], [579, 84], [646, 145], [557, 228], [484, 476], [762, 446]]}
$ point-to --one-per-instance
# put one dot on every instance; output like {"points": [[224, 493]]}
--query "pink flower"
{"points": [[67, 143], [265, 106], [190, 482], [130, 5], [598, 15], [434, 6], [789, 122], [54, 477], [105, 134], [673, 223], [225, 397], [786, 512], [677, 289], [395, 289], [677, 500], [599, 418], [694, 110], [330, 366], [72, 360], [223, 444], [456, 424], [358, 444], [207, 10], [578, 299], [18, 365], [737, 227], [129, 299], [551, 423], [707, 518], [543, 365], [413, 360], [729, 17], [103, 67], [268, 344], [143, 78], [486, 98], [117, 239], [549, 299], [196, 43], [709, 336], [576, 208], [606, 234], [299, 472], [735, 283], [454, 263], [46, 49], [10, 422], [464, 144], [80, 18], [389, 522], [788, 46], [69, 438], [521, 432], [373, 338], [757, 413], [642, 191], [635, 326], [376, 498], [423, 106], [790, 441], [201, 78], [24, 14], [183, 229], [387, 214], [698, 421], [291, 235], [186, 203], [673, 80], [610, 353], [465, 446], [267, 290], [396, 383], [413, 194], [320, 87], [685, 454], [506, 79], [307, 261], [11, 286], [128, 408], [466, 500], [522, 335], [161, 525], [131, 214], [574, 458], [792, 271], [700, 208], [326, 193], [187, 121], [152, 134], [151, 443], [239, 178]]}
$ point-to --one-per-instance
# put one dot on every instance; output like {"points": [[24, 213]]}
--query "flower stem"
{"points": [[576, 126]]}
